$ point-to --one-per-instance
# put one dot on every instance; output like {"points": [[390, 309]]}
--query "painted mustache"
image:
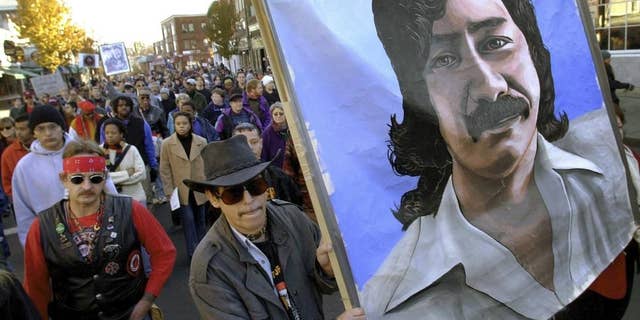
{"points": [[492, 114]]}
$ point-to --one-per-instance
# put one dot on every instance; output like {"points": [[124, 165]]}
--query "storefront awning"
{"points": [[17, 72]]}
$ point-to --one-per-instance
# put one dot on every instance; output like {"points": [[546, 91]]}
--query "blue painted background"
{"points": [[347, 91]]}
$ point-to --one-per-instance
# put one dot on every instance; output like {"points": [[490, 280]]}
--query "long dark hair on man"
{"points": [[416, 147]]}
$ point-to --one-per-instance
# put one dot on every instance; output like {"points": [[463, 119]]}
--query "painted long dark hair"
{"points": [[416, 147]]}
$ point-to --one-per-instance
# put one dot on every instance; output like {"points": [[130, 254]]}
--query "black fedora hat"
{"points": [[228, 163]]}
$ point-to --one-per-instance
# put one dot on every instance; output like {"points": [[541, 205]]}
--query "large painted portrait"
{"points": [[475, 170]]}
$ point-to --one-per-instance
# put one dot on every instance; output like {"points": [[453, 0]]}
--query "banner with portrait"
{"points": [[88, 60], [466, 150], [114, 58]]}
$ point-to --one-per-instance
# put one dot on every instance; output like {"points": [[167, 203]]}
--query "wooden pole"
{"points": [[308, 160]]}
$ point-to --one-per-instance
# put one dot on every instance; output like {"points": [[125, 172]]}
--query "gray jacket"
{"points": [[227, 283]]}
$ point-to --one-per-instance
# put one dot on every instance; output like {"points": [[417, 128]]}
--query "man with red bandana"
{"points": [[82, 255]]}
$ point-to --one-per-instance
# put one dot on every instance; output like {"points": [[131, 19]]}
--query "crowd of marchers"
{"points": [[80, 170]]}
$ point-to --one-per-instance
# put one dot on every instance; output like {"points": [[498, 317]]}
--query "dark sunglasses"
{"points": [[144, 97], [79, 179], [7, 128], [235, 194]]}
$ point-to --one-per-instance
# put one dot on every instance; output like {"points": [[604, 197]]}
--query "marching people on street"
{"points": [[200, 126], [253, 99], [275, 136], [153, 115], [124, 163], [7, 132], [180, 158], [167, 103], [260, 259], [201, 87], [139, 134], [82, 255], [35, 179], [270, 92], [215, 107], [70, 111], [15, 151], [199, 101], [85, 125], [27, 107], [235, 115], [281, 186]]}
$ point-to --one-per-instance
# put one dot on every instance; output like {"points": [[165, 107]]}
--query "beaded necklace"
{"points": [[70, 215]]}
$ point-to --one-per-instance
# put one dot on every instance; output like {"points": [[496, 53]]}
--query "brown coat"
{"points": [[175, 167]]}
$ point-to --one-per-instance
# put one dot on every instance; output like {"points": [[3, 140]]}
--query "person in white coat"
{"points": [[126, 167]]}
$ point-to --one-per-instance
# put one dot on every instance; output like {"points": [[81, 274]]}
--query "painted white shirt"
{"points": [[446, 268]]}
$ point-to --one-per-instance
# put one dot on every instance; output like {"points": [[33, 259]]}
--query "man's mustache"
{"points": [[490, 114]]}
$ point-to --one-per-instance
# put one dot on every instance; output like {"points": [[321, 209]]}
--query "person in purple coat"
{"points": [[275, 136], [253, 99]]}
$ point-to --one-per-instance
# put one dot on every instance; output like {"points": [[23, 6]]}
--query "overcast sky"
{"points": [[130, 20]]}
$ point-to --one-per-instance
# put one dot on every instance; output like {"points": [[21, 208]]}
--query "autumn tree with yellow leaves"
{"points": [[47, 24]]}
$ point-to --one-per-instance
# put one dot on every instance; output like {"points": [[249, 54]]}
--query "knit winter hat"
{"points": [[266, 80], [46, 113]]}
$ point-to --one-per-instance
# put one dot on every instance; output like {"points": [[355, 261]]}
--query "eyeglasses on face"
{"points": [[235, 194], [78, 179], [278, 114], [7, 128], [144, 97]]}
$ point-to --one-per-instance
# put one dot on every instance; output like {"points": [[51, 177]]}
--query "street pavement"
{"points": [[174, 300]]}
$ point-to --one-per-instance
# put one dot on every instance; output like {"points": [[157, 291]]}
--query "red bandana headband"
{"points": [[83, 164]]}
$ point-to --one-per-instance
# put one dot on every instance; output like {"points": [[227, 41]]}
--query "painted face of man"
{"points": [[483, 86]]}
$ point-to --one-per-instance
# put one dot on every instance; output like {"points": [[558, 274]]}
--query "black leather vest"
{"points": [[107, 288]]}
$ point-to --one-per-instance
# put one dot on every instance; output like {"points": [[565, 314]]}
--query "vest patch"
{"points": [[111, 268], [133, 263]]}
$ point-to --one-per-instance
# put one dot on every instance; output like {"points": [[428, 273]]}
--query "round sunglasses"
{"points": [[235, 194], [79, 179]]}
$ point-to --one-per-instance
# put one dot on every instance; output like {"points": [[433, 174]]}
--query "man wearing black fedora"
{"points": [[260, 259]]}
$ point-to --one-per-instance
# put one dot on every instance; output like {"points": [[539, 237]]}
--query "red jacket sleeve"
{"points": [[36, 274], [162, 251], [6, 172]]}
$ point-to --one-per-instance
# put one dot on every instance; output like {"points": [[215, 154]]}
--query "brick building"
{"points": [[184, 39]]}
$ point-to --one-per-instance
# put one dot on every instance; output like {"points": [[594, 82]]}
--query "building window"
{"points": [[194, 44], [191, 28], [184, 28], [617, 23], [186, 45], [203, 26]]}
